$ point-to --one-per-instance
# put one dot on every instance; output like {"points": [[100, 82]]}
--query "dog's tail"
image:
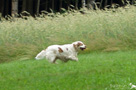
{"points": [[41, 55]]}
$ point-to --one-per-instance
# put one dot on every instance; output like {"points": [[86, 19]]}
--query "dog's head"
{"points": [[78, 45]]}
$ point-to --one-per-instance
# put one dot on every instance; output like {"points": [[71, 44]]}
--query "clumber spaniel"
{"points": [[63, 52]]}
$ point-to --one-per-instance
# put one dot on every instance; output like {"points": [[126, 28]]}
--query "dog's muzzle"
{"points": [[82, 48]]}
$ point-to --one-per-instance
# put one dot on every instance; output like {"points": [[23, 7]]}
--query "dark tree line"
{"points": [[34, 7]]}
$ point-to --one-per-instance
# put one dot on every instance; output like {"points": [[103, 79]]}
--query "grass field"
{"points": [[94, 71], [108, 63]]}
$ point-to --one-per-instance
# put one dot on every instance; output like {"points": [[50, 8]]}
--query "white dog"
{"points": [[63, 52]]}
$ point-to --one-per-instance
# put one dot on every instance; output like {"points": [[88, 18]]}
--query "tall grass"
{"points": [[108, 30]]}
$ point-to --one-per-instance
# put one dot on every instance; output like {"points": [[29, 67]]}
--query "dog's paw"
{"points": [[73, 58]]}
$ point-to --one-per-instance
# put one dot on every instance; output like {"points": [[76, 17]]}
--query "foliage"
{"points": [[109, 30]]}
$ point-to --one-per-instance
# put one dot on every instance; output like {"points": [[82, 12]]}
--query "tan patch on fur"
{"points": [[67, 49], [55, 52], [75, 46], [79, 44], [60, 50]]}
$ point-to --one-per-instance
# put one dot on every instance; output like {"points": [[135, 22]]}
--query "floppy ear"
{"points": [[75, 46], [79, 44]]}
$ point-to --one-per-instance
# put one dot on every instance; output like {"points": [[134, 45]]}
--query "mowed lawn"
{"points": [[93, 71]]}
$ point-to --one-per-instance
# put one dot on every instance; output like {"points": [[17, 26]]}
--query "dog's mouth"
{"points": [[82, 48]]}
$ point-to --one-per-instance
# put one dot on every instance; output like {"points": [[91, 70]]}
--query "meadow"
{"points": [[108, 63], [94, 71]]}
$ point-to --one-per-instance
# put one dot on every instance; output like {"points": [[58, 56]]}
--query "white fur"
{"points": [[132, 86], [63, 52]]}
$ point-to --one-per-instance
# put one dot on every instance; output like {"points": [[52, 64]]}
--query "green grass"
{"points": [[109, 30], [102, 31], [94, 71]]}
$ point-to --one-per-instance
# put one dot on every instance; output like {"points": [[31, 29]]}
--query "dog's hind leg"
{"points": [[51, 58]]}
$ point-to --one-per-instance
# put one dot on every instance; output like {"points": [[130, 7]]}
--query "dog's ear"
{"points": [[79, 44], [75, 46]]}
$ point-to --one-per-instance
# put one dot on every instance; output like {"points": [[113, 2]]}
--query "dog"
{"points": [[64, 52]]}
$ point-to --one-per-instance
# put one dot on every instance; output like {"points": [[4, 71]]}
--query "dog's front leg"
{"points": [[73, 58]]}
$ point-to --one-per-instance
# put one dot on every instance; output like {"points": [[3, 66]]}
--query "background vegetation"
{"points": [[109, 30]]}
